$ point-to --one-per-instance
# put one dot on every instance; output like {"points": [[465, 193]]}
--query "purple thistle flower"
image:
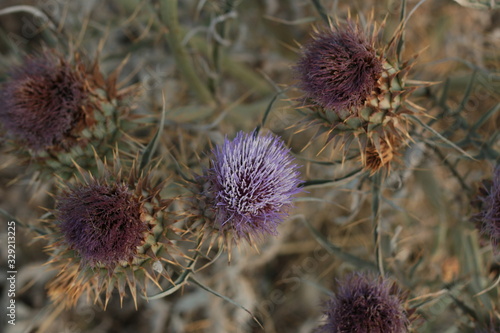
{"points": [[251, 184], [43, 101], [101, 222], [365, 304], [339, 69], [488, 219]]}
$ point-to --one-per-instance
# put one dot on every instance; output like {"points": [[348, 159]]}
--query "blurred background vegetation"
{"points": [[222, 68]]}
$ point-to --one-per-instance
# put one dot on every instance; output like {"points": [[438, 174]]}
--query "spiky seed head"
{"points": [[112, 231], [366, 304], [488, 219], [44, 104], [250, 185], [339, 69], [102, 223]]}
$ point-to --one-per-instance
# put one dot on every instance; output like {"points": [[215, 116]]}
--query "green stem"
{"points": [[168, 13], [337, 251], [376, 193]]}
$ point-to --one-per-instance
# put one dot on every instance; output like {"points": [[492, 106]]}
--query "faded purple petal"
{"points": [[488, 220], [365, 304], [252, 181], [101, 222], [43, 101], [339, 69]]}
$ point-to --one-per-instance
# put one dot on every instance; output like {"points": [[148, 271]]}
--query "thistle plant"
{"points": [[110, 232], [57, 111], [355, 90], [120, 228], [366, 304], [248, 190]]}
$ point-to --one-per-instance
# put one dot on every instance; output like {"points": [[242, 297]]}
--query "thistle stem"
{"points": [[376, 196], [169, 15], [337, 251], [451, 167]]}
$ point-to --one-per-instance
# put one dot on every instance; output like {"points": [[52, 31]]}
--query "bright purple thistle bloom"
{"points": [[251, 183], [339, 69], [365, 304], [43, 101], [101, 222], [488, 220]]}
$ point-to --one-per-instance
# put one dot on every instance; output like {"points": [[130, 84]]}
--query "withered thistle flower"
{"points": [[249, 186], [46, 102], [378, 157], [366, 304], [339, 69], [488, 219], [103, 223], [354, 91], [56, 111], [111, 232]]}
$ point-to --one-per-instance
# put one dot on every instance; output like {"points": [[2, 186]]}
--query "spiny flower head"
{"points": [[102, 222], [366, 304], [57, 111], [45, 102], [354, 91], [250, 185], [111, 231], [488, 219], [339, 69]]}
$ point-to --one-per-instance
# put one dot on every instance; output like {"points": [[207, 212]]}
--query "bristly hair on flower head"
{"points": [[46, 102], [250, 185], [339, 69], [488, 219], [102, 222], [366, 304]]}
